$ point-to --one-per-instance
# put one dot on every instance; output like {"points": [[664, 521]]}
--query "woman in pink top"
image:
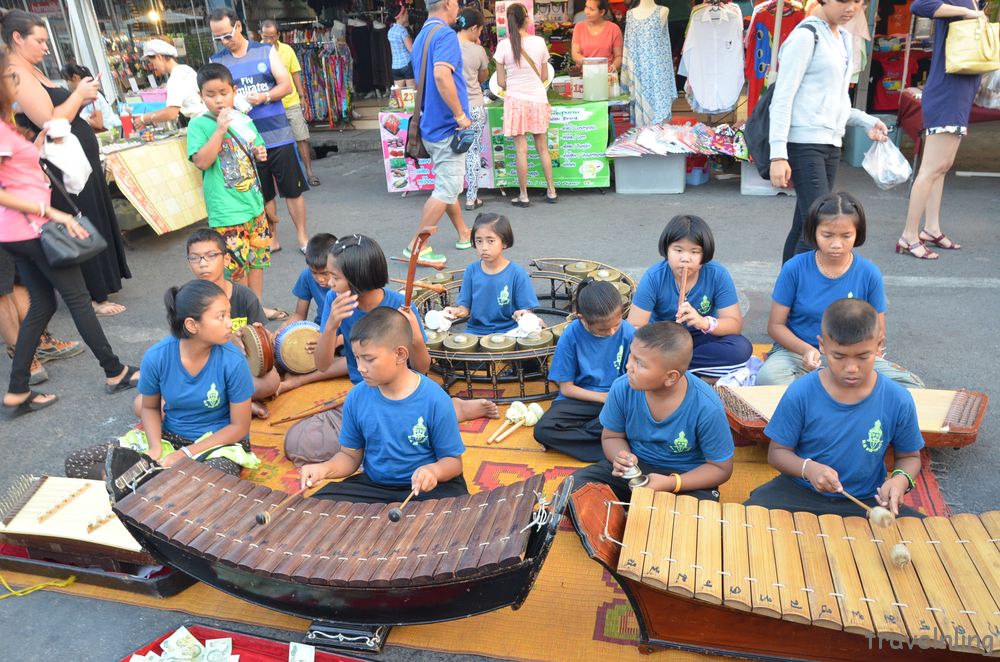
{"points": [[24, 208], [522, 69], [598, 36]]}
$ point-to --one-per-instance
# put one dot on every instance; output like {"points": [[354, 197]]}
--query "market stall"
{"points": [[159, 180]]}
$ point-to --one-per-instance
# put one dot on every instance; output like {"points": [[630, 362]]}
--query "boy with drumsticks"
{"points": [[399, 425], [832, 428], [664, 421]]}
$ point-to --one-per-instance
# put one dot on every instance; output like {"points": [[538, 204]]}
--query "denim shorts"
{"points": [[403, 73]]}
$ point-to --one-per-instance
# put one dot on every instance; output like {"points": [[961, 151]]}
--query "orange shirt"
{"points": [[601, 45]]}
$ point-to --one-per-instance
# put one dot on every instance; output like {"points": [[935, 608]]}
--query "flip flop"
{"points": [[100, 314], [517, 202], [476, 205], [125, 383], [276, 315], [276, 250], [29, 405], [314, 181]]}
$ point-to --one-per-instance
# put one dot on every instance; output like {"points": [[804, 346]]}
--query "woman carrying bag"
{"points": [[24, 212], [522, 69], [946, 104]]}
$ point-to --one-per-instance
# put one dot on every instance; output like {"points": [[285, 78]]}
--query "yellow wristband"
{"points": [[677, 478], [459, 118]]}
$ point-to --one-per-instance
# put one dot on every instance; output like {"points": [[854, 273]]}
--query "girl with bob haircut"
{"points": [[709, 305], [195, 387], [809, 282]]}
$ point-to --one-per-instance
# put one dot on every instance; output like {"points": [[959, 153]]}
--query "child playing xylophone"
{"points": [[832, 428], [663, 420], [400, 426]]}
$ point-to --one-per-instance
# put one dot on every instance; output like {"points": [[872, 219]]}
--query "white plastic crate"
{"points": [[650, 174], [751, 183]]}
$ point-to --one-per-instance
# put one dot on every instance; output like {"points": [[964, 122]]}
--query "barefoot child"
{"points": [[592, 353], [833, 427], [664, 420], [398, 425]]}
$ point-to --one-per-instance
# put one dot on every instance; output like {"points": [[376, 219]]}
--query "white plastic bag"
{"points": [[67, 154], [887, 165]]}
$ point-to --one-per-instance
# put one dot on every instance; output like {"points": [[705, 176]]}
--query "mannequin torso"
{"points": [[645, 8]]}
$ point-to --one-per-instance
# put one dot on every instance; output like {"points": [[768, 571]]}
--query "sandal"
{"points": [[905, 248], [518, 202], [276, 315], [102, 309], [314, 181], [474, 206], [551, 199], [125, 383], [29, 405], [941, 241]]}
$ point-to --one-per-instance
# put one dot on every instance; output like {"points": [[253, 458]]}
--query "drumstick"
{"points": [[264, 517], [420, 263], [878, 515], [433, 287], [684, 282], [316, 409], [411, 272], [500, 429], [396, 514], [510, 431]]}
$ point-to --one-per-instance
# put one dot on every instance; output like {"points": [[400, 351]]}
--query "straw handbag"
{"points": [[972, 47]]}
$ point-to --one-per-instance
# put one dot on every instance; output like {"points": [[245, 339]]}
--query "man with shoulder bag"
{"points": [[441, 111]]}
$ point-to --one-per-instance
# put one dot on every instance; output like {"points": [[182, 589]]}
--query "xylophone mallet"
{"points": [[396, 514], [264, 516], [878, 515]]}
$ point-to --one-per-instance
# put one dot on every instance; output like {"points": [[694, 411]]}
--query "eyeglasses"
{"points": [[226, 37], [206, 258], [13, 77]]}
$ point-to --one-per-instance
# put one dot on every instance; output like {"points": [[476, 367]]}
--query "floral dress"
{"points": [[648, 67]]}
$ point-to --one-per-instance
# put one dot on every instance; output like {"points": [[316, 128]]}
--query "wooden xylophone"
{"points": [[751, 581], [946, 418], [335, 560]]}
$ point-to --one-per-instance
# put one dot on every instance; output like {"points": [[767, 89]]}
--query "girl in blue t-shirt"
{"points": [[709, 305], [590, 356], [495, 292], [809, 282], [195, 387], [359, 274]]}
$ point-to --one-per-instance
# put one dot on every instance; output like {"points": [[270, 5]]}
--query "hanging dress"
{"points": [[648, 67]]}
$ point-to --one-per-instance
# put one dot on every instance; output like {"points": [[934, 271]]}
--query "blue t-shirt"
{"points": [[851, 438], [807, 292], [195, 404], [437, 120], [590, 362], [390, 299], [307, 289], [697, 431], [398, 436], [658, 292], [252, 73], [493, 298]]}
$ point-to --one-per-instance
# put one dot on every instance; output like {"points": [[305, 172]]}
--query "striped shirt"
{"points": [[252, 73]]}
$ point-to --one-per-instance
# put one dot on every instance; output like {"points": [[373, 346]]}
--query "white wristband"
{"points": [[804, 463], [184, 449]]}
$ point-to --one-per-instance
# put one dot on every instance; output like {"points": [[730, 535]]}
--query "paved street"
{"points": [[942, 324]]}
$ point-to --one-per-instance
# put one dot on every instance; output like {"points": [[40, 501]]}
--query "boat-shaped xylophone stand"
{"points": [[347, 636]]}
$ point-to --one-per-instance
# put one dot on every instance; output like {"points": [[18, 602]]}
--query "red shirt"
{"points": [[760, 38], [20, 175], [601, 45]]}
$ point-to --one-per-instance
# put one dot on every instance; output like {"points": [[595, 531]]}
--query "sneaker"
{"points": [[463, 245], [52, 348], [38, 373], [426, 250], [433, 258]]}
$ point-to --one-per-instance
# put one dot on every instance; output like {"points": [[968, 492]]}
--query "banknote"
{"points": [[218, 650], [182, 646], [301, 652]]}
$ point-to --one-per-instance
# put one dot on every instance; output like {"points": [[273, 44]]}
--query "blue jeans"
{"points": [[814, 168]]}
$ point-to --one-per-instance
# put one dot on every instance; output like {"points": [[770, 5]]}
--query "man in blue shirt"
{"points": [[444, 111], [262, 79]]}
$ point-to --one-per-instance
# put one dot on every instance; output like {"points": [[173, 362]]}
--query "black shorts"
{"points": [[284, 169], [6, 273], [403, 73]]}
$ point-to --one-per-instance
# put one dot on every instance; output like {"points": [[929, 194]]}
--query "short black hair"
{"points": [[72, 68], [850, 321], [205, 235], [220, 13], [362, 262], [384, 326], [268, 23], [831, 206], [468, 18], [692, 228], [597, 300], [214, 71], [670, 339], [189, 300], [498, 223], [317, 249]]}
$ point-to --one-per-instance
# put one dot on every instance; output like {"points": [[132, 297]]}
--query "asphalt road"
{"points": [[942, 323]]}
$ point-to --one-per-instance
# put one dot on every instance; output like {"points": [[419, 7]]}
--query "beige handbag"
{"points": [[972, 46]]}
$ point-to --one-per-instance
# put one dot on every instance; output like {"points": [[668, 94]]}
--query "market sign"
{"points": [[45, 7]]}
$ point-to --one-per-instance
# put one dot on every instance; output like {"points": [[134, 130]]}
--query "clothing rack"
{"points": [[327, 70]]}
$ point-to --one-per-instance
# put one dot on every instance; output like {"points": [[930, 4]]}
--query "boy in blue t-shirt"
{"points": [[664, 420], [832, 428], [400, 426]]}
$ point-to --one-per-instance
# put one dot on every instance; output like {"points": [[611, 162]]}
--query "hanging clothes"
{"points": [[326, 75], [760, 39], [648, 67], [712, 58]]}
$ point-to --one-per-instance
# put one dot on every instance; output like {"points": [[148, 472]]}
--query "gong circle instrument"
{"points": [[946, 418], [290, 350], [492, 362], [336, 560], [257, 346], [747, 580]]}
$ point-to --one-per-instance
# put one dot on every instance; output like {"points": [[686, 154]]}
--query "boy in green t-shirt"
{"points": [[223, 143]]}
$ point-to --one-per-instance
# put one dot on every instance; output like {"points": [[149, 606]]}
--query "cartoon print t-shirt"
{"points": [[232, 191]]}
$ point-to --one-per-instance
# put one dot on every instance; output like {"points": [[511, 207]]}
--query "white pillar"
{"points": [[87, 43]]}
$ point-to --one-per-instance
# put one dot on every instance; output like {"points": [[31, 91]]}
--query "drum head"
{"points": [[260, 356], [290, 347]]}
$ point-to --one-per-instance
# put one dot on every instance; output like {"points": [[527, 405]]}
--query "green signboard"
{"points": [[578, 138]]}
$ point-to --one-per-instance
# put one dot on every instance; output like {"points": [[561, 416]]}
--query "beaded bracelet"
{"points": [[909, 478]]}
